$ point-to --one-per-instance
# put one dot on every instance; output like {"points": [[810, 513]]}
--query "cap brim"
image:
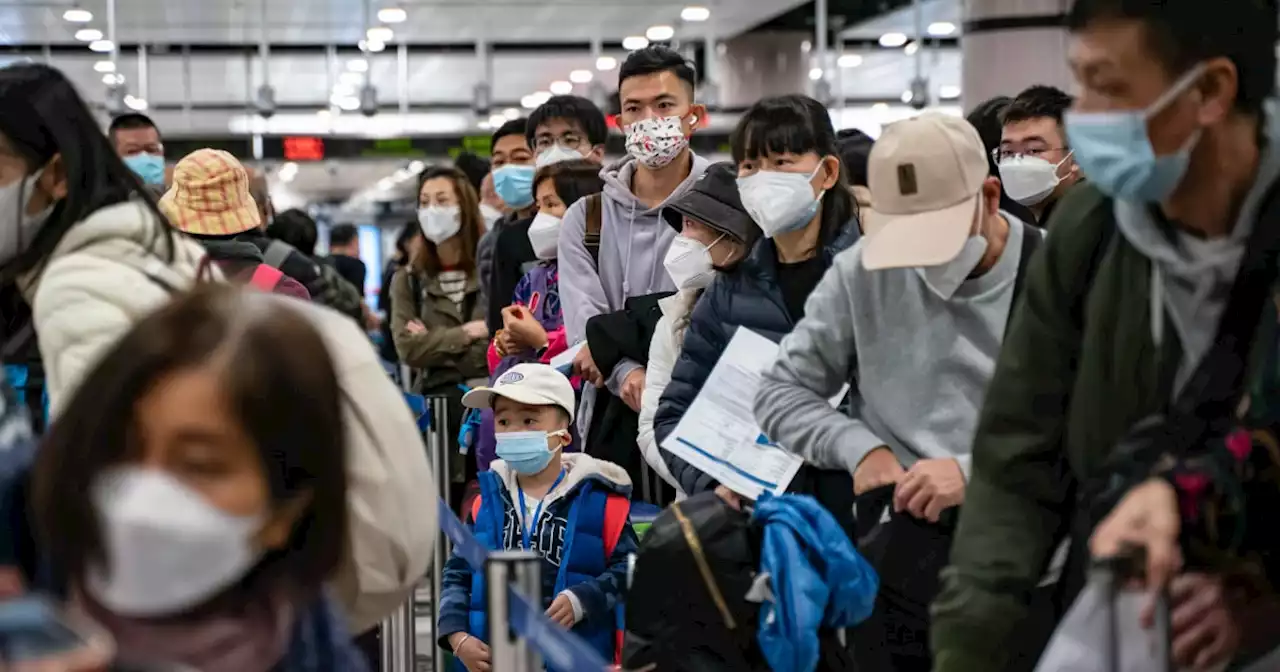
{"points": [[923, 239], [715, 214], [483, 397]]}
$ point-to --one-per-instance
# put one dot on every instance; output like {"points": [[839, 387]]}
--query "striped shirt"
{"points": [[454, 285]]}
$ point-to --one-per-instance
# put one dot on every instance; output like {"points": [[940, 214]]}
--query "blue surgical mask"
{"points": [[514, 184], [1115, 152], [149, 167], [525, 452]]}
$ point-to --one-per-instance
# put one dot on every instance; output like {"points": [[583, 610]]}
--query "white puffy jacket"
{"points": [[664, 350]]}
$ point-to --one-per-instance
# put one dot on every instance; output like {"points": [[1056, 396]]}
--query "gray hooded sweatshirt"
{"points": [[633, 241], [1191, 277]]}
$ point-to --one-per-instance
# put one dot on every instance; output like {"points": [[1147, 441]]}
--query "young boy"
{"points": [[570, 509]]}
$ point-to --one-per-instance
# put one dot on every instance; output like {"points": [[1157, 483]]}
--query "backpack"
{"points": [[594, 224], [327, 287]]}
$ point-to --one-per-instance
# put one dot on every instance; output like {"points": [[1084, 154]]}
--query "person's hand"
{"points": [[877, 469], [1203, 628], [633, 389], [733, 499], [585, 366], [561, 611], [415, 327], [929, 488], [473, 653], [524, 330], [1146, 518], [476, 330]]}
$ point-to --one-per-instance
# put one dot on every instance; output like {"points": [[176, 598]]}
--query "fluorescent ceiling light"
{"points": [[77, 15], [659, 33], [136, 104], [371, 46], [580, 76], [358, 65], [880, 108], [346, 103], [484, 125], [606, 63], [911, 49], [392, 15], [511, 114], [88, 34], [815, 74], [380, 34], [635, 42], [497, 120], [949, 91], [849, 60], [104, 66], [893, 40], [111, 79], [351, 79], [941, 28], [102, 46], [416, 166], [907, 96], [529, 102], [694, 14], [561, 88]]}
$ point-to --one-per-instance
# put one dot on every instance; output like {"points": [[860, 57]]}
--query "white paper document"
{"points": [[563, 362], [719, 434]]}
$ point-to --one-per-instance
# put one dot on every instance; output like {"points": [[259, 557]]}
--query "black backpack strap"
{"points": [[276, 253], [415, 287], [1031, 240], [594, 224]]}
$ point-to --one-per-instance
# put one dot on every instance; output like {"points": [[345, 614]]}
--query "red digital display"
{"points": [[611, 121], [302, 148]]}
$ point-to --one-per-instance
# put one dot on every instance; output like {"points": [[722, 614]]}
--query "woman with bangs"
{"points": [[794, 186]]}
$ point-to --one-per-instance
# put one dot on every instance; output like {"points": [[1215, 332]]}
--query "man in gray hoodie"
{"points": [[598, 273]]}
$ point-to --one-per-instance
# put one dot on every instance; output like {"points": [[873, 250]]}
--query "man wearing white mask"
{"points": [[1036, 165], [914, 315], [612, 246]]}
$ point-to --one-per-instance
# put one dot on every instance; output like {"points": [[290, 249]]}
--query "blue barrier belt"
{"points": [[560, 649]]}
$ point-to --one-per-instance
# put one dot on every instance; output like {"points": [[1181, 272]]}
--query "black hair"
{"points": [[408, 232], [42, 116], [657, 58], [797, 124], [569, 108], [342, 234], [263, 355], [855, 152], [573, 180], [1036, 102], [296, 228], [130, 121], [469, 231], [514, 127], [1182, 33], [474, 167]]}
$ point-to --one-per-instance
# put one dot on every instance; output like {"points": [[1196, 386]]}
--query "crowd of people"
{"points": [[1014, 349]]}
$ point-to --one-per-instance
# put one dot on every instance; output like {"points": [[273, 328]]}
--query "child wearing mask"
{"points": [[537, 498]]}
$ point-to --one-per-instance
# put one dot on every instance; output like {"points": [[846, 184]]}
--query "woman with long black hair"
{"points": [[80, 235]]}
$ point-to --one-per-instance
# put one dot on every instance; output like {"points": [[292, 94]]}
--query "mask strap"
{"points": [[1179, 87]]}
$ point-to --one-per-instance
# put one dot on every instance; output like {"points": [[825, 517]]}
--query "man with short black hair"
{"points": [[297, 230], [612, 246], [1035, 161], [344, 254], [1118, 312], [137, 141], [512, 176]]}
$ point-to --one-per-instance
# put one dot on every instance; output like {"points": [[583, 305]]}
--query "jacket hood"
{"points": [[617, 184], [580, 468], [234, 251]]}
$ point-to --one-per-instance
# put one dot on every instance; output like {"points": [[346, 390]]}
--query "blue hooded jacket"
{"points": [[817, 578]]}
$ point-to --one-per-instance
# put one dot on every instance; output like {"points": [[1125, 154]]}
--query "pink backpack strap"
{"points": [[265, 278]]}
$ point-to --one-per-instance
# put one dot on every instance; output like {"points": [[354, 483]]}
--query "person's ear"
{"points": [[275, 534], [596, 155], [697, 116], [1218, 86], [991, 196], [53, 179], [829, 176]]}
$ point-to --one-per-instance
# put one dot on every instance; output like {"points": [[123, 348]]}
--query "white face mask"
{"points": [[945, 279], [490, 215], [557, 153], [780, 202], [656, 142], [440, 222], [17, 228], [544, 235], [689, 263], [1029, 179], [167, 548]]}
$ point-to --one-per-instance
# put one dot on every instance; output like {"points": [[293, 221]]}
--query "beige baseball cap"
{"points": [[532, 384], [925, 175]]}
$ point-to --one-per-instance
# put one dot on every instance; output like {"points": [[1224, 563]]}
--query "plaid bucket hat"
{"points": [[210, 196]]}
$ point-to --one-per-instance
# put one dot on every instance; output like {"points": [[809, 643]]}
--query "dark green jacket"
{"points": [[1078, 368]]}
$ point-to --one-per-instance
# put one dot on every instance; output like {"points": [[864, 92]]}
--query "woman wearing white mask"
{"points": [[82, 243], [792, 183], [196, 513], [437, 317], [715, 234]]}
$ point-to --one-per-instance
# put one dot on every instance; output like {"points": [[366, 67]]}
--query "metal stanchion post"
{"points": [[438, 449], [399, 643], [502, 570]]}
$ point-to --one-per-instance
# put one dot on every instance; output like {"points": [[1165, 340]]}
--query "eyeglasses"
{"points": [[568, 141], [1002, 153]]}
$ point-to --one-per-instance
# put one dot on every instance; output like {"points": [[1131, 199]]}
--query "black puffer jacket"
{"points": [[747, 297]]}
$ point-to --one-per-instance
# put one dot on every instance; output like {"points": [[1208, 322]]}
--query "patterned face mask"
{"points": [[657, 142]]}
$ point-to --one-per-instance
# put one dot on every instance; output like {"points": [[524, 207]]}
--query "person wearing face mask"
{"points": [[212, 554], [915, 315], [1036, 167], [551, 499], [612, 247], [512, 174], [1175, 132], [436, 316], [565, 128], [794, 187], [533, 324], [715, 234], [138, 143]]}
